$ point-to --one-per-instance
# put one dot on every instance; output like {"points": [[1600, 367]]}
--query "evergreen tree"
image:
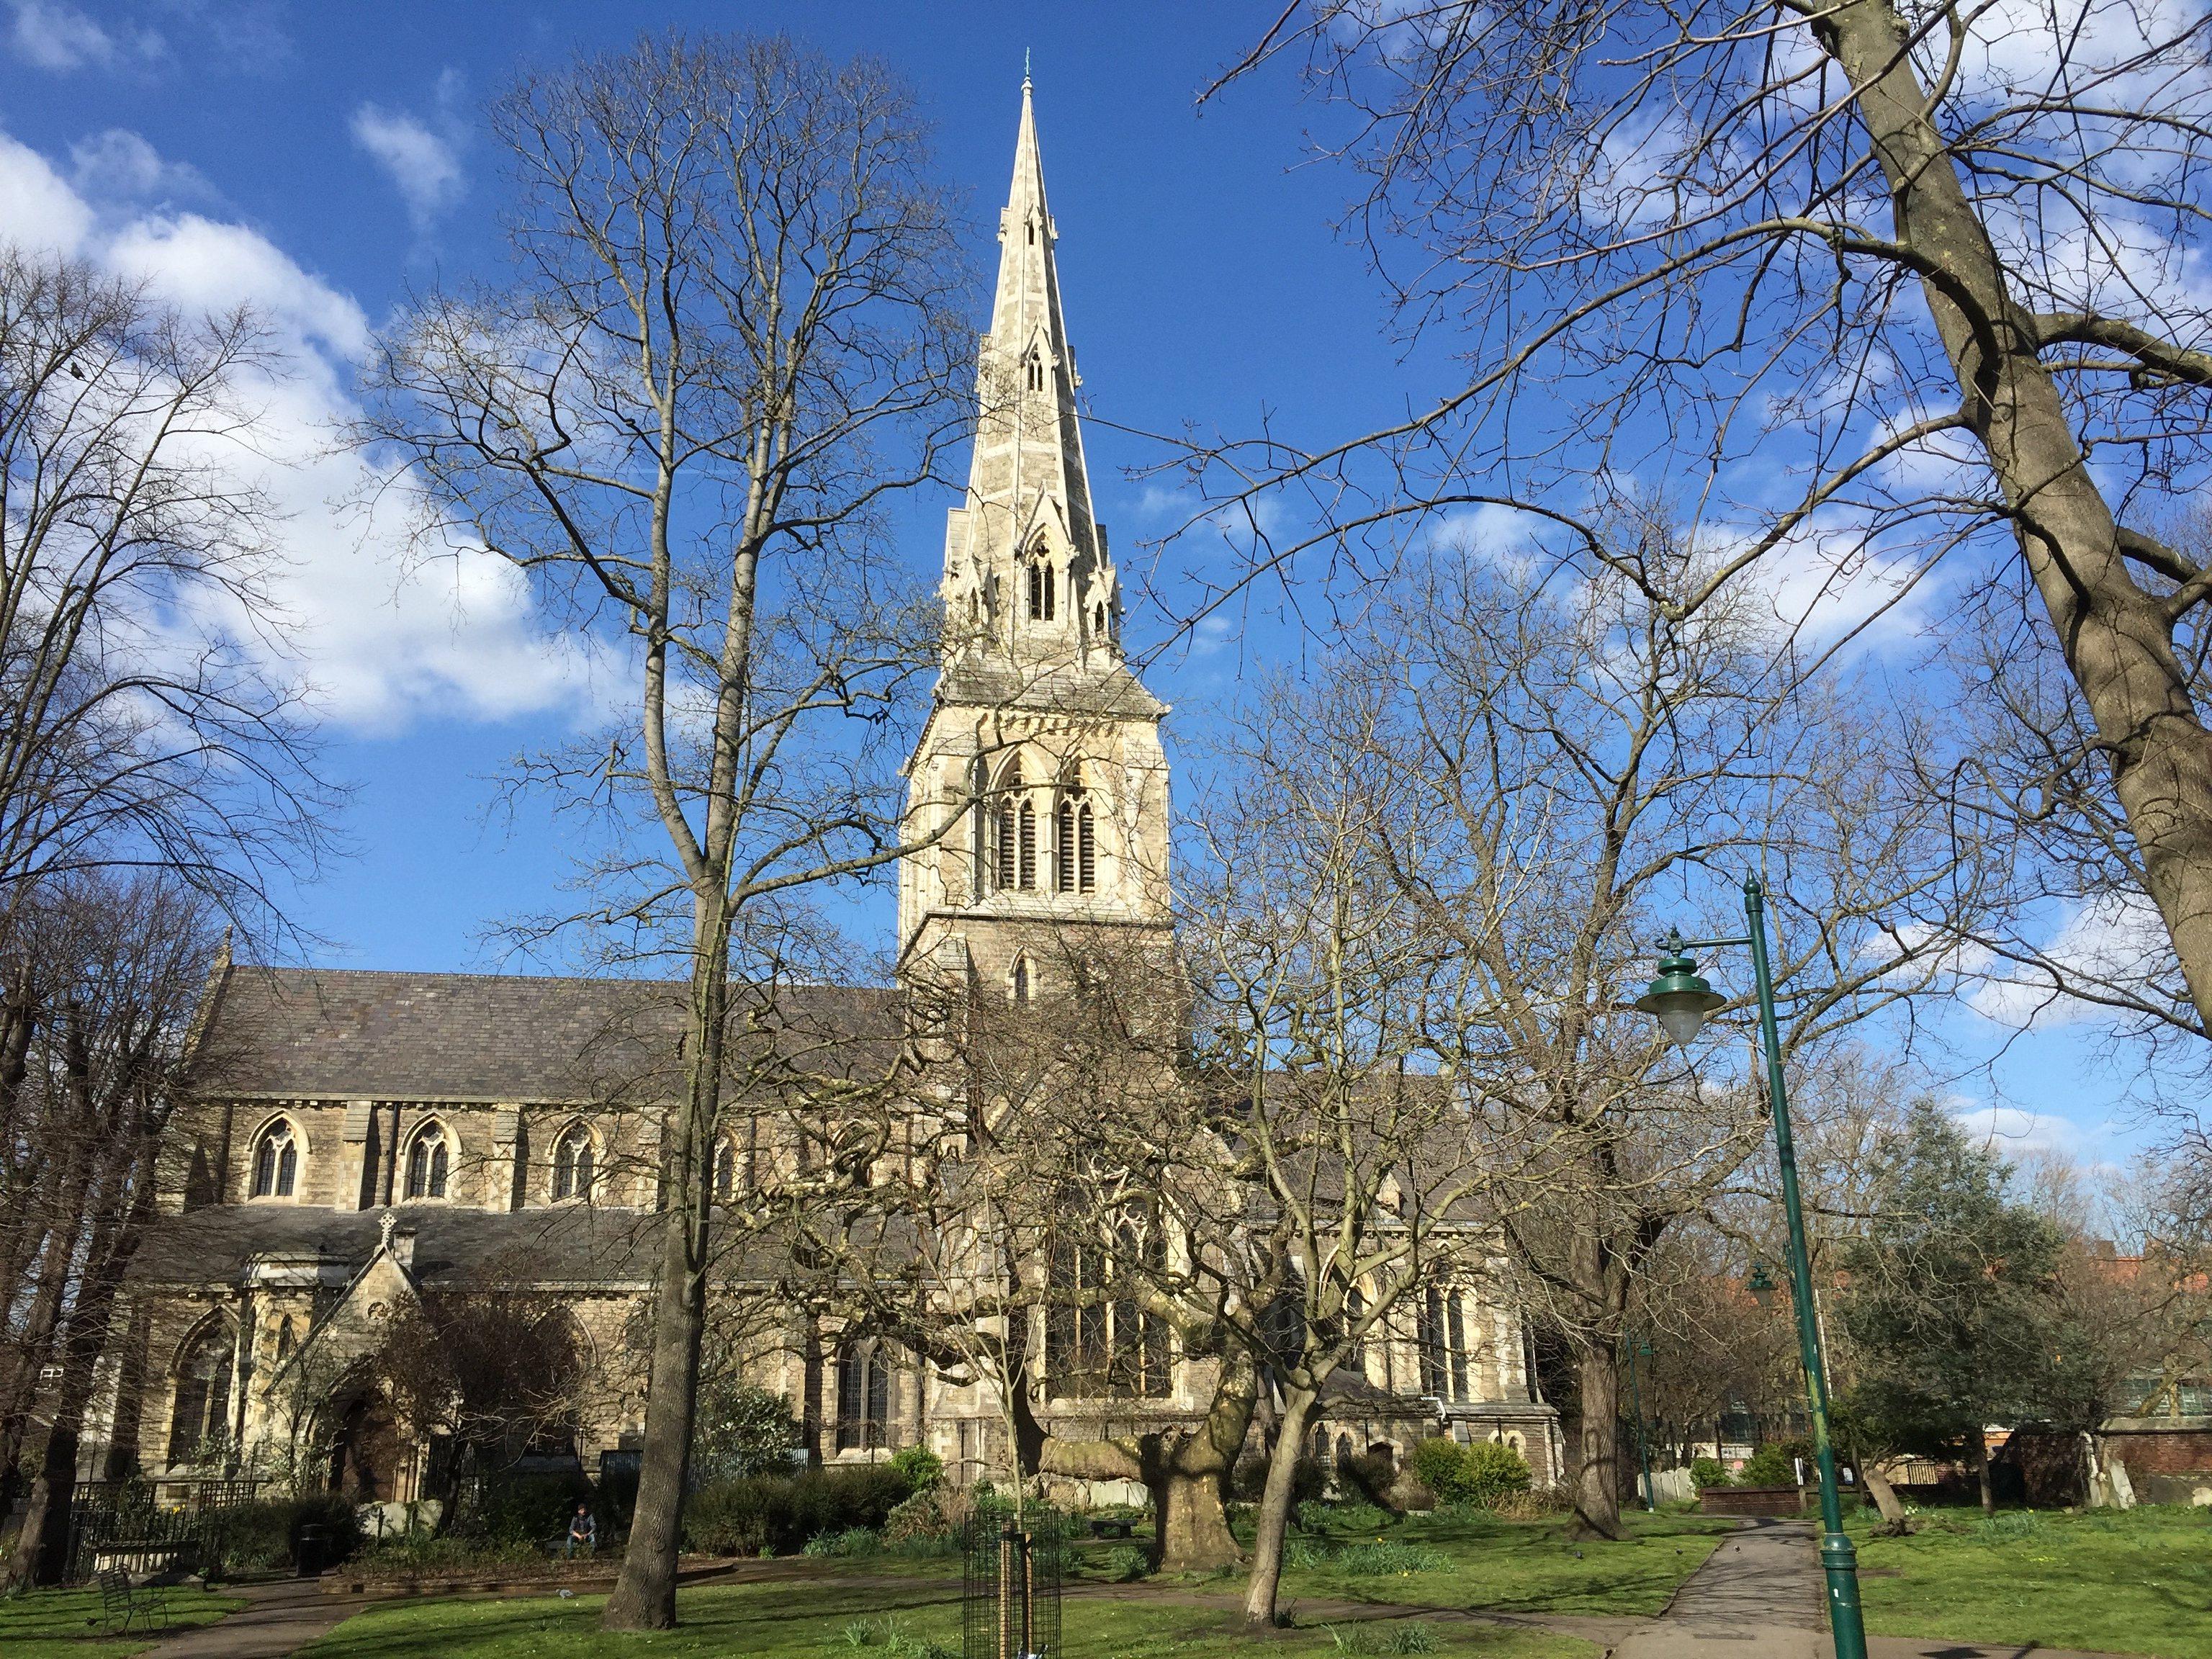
{"points": [[1951, 1304]]}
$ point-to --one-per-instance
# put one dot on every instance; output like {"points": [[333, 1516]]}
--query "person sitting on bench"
{"points": [[583, 1533]]}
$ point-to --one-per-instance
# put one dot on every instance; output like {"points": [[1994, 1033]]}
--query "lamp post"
{"points": [[1681, 1001], [1643, 1446]]}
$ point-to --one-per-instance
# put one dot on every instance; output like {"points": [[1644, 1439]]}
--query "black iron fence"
{"points": [[150, 1527]]}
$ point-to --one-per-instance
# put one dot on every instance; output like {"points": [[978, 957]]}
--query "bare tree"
{"points": [[102, 976], [1895, 294], [140, 726], [729, 343], [1347, 1172], [1567, 762]]}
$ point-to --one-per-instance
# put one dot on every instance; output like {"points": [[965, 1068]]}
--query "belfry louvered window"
{"points": [[1075, 865], [1026, 869], [1006, 859]]}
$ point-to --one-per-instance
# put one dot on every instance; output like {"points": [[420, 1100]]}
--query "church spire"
{"points": [[1027, 574]]}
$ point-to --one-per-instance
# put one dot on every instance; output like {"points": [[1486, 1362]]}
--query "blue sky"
{"points": [[326, 160]]}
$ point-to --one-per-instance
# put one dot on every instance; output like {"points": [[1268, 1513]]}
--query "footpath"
{"points": [[1760, 1595]]}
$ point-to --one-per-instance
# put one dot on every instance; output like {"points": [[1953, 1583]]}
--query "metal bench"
{"points": [[122, 1604]]}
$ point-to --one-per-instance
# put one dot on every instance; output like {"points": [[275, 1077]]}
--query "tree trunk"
{"points": [[1596, 1479], [1190, 1514], [42, 1547], [645, 1594], [1274, 1523], [1981, 1446], [1893, 1517], [1185, 1473], [2114, 635]]}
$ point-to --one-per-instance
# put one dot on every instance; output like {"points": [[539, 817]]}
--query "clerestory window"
{"points": [[276, 1161], [572, 1162], [427, 1162]]}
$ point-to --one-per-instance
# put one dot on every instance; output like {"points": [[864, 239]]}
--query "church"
{"points": [[371, 1140]]}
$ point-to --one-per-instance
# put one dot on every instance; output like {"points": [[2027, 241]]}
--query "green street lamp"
{"points": [[1643, 1445], [1681, 1001]]}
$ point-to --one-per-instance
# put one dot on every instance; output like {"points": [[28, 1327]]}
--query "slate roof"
{"points": [[454, 1246], [352, 1034]]}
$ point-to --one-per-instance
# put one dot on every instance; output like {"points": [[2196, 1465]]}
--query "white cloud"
{"points": [[2121, 941], [41, 211], [380, 639], [119, 165], [54, 35], [2013, 1130], [424, 164]]}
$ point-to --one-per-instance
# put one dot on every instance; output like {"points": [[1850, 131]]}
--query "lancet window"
{"points": [[277, 1161], [1441, 1337], [1098, 1340], [864, 1395], [428, 1160], [1044, 586], [201, 1413], [572, 1163]]}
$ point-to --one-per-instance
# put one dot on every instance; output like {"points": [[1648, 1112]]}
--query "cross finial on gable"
{"points": [[389, 1221]]}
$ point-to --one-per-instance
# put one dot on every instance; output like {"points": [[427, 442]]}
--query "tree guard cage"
{"points": [[1010, 1592]]}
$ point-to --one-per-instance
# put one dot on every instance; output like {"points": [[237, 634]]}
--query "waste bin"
{"points": [[311, 1551]]}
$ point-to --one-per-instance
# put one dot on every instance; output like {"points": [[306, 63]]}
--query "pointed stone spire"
{"points": [[1027, 576]]}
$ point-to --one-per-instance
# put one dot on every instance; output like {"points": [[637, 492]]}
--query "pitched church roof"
{"points": [[354, 1034]]}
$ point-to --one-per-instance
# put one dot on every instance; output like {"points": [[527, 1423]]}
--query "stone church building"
{"points": [[376, 1138]]}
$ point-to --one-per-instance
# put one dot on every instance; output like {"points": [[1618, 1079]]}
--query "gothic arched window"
{"points": [[200, 1418], [426, 1161], [1076, 849], [1033, 368], [1007, 854], [725, 1169], [1025, 871], [1044, 588], [277, 1161], [1017, 979], [573, 1159], [864, 1396]]}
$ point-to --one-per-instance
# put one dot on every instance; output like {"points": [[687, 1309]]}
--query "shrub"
{"points": [[529, 1508], [259, 1536], [1483, 1475], [743, 1429], [1123, 1563], [1708, 1472], [1770, 1466], [922, 1467], [1370, 1474], [765, 1512], [1248, 1481], [934, 1514]]}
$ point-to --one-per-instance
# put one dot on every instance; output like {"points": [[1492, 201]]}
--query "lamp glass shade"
{"points": [[1679, 998]]}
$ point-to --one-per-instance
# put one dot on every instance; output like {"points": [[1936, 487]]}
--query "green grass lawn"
{"points": [[849, 1612], [2133, 1582], [65, 1624], [1476, 1561]]}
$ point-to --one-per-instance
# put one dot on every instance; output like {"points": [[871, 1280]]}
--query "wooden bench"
{"points": [[122, 1602], [1111, 1525]]}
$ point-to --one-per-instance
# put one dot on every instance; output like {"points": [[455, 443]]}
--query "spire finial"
{"points": [[1025, 69]]}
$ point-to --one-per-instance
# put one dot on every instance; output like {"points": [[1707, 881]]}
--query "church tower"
{"points": [[1040, 770]]}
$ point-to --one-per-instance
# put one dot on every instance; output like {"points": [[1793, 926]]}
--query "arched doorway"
{"points": [[368, 1453]]}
